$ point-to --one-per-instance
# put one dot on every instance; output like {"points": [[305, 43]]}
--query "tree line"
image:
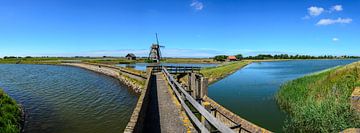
{"points": [[286, 56], [224, 57], [283, 56]]}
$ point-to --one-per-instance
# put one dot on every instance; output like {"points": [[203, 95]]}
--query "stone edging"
{"points": [[355, 99], [135, 124], [112, 72]]}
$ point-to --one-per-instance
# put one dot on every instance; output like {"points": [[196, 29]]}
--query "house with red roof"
{"points": [[231, 58]]}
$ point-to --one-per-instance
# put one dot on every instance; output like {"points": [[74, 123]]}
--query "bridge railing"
{"points": [[176, 69], [185, 98]]}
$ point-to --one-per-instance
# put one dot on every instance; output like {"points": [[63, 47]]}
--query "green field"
{"points": [[10, 114], [219, 72], [320, 102]]}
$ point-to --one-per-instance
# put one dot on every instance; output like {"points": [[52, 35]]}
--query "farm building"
{"points": [[231, 58], [130, 56]]}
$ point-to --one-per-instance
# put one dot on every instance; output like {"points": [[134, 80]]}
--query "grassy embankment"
{"points": [[110, 61], [216, 73], [189, 60], [10, 114], [57, 60], [320, 102], [37, 60]]}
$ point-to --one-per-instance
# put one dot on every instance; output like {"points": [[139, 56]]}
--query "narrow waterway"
{"points": [[62, 99], [250, 91]]}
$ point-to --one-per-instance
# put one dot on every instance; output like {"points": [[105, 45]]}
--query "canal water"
{"points": [[62, 99], [142, 66], [250, 91]]}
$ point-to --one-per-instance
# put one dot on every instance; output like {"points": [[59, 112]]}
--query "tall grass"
{"points": [[321, 102], [10, 114]]}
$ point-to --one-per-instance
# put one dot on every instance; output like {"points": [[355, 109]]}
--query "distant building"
{"points": [[130, 56], [231, 58]]}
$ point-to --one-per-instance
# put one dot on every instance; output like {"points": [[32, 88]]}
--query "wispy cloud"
{"points": [[197, 5], [336, 8], [315, 11], [324, 22], [335, 39]]}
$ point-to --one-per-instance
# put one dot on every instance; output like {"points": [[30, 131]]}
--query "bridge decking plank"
{"points": [[163, 115]]}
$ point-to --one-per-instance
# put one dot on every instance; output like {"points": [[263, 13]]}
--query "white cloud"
{"points": [[335, 39], [315, 11], [197, 5], [334, 21], [336, 8]]}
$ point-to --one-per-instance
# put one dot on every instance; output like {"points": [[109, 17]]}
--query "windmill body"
{"points": [[155, 53]]}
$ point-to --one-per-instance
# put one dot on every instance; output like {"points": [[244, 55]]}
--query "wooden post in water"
{"points": [[193, 84], [197, 87], [204, 87]]}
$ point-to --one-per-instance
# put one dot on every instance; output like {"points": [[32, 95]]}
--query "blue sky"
{"points": [[187, 28]]}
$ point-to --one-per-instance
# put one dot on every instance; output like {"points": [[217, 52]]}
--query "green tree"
{"points": [[220, 57], [239, 56]]}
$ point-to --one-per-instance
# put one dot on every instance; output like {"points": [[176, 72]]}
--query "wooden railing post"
{"points": [[206, 123], [205, 112]]}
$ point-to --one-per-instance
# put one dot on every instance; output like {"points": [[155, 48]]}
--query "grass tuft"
{"points": [[10, 114]]}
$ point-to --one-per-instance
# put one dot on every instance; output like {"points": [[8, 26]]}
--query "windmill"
{"points": [[155, 53]]}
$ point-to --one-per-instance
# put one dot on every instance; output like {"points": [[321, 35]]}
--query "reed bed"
{"points": [[320, 102]]}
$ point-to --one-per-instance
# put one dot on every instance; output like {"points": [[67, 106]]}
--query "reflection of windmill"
{"points": [[155, 54]]}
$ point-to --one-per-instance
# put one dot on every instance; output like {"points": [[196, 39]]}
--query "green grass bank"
{"points": [[320, 102], [10, 114], [216, 73]]}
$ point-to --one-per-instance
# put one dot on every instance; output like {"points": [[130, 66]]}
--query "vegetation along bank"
{"points": [[216, 73], [10, 114], [320, 102]]}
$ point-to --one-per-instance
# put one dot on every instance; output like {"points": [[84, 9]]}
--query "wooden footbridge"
{"points": [[165, 105]]}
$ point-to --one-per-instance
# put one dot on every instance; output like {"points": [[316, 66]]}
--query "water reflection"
{"points": [[250, 91], [60, 99]]}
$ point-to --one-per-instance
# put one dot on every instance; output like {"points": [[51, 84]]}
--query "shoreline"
{"points": [[23, 118], [258, 61], [133, 84], [215, 74]]}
